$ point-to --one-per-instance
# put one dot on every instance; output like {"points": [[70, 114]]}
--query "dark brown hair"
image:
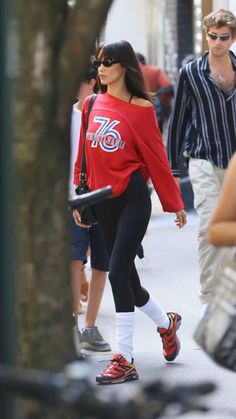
{"points": [[219, 19], [122, 52]]}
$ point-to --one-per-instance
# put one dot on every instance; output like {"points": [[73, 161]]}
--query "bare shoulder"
{"points": [[142, 102]]}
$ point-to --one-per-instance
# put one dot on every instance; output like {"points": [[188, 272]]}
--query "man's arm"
{"points": [[177, 124]]}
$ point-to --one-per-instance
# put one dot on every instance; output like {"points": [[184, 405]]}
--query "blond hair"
{"points": [[219, 19]]}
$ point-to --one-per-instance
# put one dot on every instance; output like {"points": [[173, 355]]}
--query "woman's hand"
{"points": [[181, 218], [77, 219]]}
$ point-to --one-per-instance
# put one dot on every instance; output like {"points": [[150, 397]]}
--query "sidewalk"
{"points": [[170, 272]]}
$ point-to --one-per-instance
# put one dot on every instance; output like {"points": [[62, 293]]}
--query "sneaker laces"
{"points": [[167, 335], [93, 331], [117, 363]]}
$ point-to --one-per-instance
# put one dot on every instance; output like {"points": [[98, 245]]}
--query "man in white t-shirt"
{"points": [[82, 240]]}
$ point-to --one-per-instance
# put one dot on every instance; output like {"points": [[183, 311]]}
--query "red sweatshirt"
{"points": [[121, 138]]}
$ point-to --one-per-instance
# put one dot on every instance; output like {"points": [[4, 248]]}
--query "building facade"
{"points": [[166, 33]]}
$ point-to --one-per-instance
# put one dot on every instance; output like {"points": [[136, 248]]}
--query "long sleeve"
{"points": [[74, 143], [77, 167], [123, 137], [177, 124], [153, 152]]}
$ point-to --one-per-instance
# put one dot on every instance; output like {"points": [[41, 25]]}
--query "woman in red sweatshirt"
{"points": [[124, 148]]}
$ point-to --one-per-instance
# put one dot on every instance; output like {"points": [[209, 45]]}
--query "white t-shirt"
{"points": [[74, 144]]}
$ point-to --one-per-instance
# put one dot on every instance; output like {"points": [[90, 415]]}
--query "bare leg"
{"points": [[96, 288], [76, 273], [84, 286]]}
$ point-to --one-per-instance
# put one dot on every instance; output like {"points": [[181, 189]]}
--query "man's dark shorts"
{"points": [[82, 239]]}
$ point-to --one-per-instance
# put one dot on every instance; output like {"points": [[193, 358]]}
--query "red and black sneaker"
{"points": [[170, 340], [118, 371]]}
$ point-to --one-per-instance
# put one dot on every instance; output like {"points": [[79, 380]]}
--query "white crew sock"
{"points": [[124, 334], [156, 313]]}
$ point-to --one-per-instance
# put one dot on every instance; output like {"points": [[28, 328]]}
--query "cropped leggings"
{"points": [[124, 221]]}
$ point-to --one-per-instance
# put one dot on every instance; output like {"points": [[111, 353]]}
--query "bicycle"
{"points": [[90, 198], [72, 388]]}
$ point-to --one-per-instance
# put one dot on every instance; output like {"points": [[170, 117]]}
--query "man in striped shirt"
{"points": [[203, 127]]}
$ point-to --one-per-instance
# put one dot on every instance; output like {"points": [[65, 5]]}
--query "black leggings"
{"points": [[124, 221]]}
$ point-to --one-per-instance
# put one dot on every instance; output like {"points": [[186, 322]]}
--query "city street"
{"points": [[169, 271]]}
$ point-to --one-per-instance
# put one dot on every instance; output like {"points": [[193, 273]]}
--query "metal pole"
{"points": [[7, 293]]}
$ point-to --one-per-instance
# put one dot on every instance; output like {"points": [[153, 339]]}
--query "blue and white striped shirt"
{"points": [[203, 119]]}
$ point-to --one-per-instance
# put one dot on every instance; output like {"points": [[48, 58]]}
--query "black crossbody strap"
{"points": [[83, 163]]}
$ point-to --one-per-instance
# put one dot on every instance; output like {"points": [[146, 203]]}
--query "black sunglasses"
{"points": [[106, 63], [214, 36]]}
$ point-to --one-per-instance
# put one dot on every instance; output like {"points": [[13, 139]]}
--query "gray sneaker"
{"points": [[91, 339]]}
